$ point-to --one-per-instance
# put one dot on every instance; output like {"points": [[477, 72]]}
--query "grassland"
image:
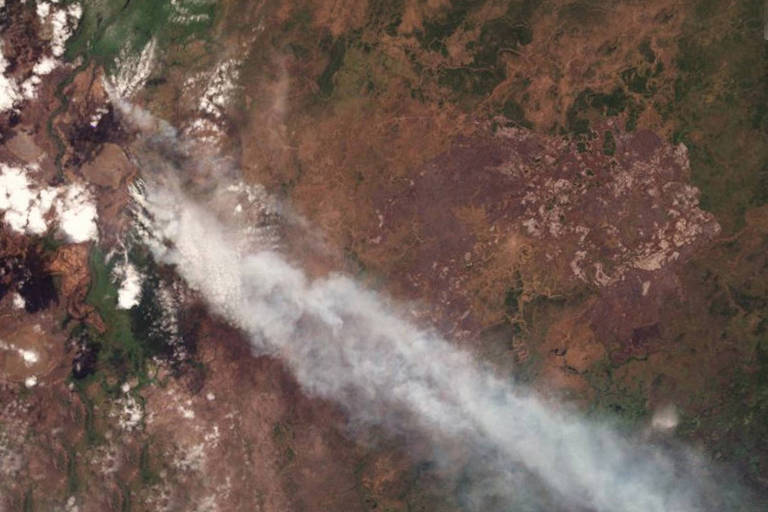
{"points": [[114, 28]]}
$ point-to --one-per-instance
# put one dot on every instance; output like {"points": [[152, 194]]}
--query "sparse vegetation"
{"points": [[147, 475], [719, 106], [73, 482], [515, 113], [647, 52], [616, 398], [498, 37], [609, 143], [584, 12], [589, 104], [336, 58], [386, 14], [442, 26], [283, 436], [513, 296]]}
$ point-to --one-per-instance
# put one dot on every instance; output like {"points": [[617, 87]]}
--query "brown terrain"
{"points": [[579, 262]]}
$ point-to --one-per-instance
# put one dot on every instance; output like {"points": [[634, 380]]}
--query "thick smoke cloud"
{"points": [[344, 343], [348, 344]]}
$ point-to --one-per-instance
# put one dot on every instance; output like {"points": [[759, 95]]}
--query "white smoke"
{"points": [[347, 344]]}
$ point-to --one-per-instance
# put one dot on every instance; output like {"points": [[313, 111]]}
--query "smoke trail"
{"points": [[347, 344], [343, 343]]}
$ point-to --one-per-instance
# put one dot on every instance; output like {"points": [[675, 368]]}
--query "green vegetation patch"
{"points": [[149, 322], [117, 28], [119, 348], [132, 336]]}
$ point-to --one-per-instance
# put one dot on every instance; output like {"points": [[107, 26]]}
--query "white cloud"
{"points": [[129, 293], [30, 357], [63, 23], [26, 206], [18, 301], [45, 66], [60, 23], [132, 71], [9, 90], [222, 84], [129, 413], [665, 419], [183, 15], [77, 214], [43, 9]]}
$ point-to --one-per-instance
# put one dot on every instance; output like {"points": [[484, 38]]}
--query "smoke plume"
{"points": [[348, 344]]}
